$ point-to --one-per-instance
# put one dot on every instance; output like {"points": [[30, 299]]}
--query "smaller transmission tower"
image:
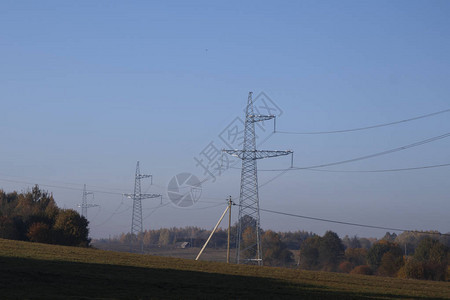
{"points": [[136, 220], [84, 204]]}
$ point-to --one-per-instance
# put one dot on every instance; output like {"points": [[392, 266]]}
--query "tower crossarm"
{"points": [[148, 196], [256, 154], [88, 205], [260, 118], [271, 153], [142, 196]]}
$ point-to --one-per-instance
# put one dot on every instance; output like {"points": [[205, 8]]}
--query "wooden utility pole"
{"points": [[229, 228], [214, 230], [212, 233]]}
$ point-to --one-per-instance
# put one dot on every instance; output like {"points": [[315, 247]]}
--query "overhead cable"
{"points": [[59, 186], [433, 139], [347, 223], [366, 127], [315, 168], [380, 171]]}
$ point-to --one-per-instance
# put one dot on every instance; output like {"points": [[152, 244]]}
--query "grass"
{"points": [[38, 271], [210, 254]]}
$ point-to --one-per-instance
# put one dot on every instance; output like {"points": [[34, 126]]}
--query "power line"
{"points": [[211, 206], [59, 183], [367, 127], [381, 171], [433, 139], [99, 210], [112, 215], [315, 168], [154, 209], [362, 171], [345, 223], [283, 171], [58, 186], [274, 178]]}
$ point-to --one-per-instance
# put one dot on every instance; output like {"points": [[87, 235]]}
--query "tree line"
{"points": [[428, 258], [34, 216], [276, 246], [418, 255]]}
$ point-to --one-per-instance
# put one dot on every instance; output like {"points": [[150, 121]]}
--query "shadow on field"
{"points": [[38, 279]]}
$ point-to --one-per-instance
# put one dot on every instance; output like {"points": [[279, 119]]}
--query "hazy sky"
{"points": [[87, 88]]}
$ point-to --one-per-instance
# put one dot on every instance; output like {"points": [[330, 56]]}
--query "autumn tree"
{"points": [[293, 240], [377, 251], [248, 243], [352, 242], [409, 240], [390, 237], [151, 237], [71, 229], [275, 252], [431, 250], [429, 261], [309, 253], [9, 228], [165, 237], [385, 256], [34, 216], [390, 264], [39, 232], [356, 256], [219, 239], [248, 246], [126, 238], [365, 243], [331, 251], [322, 253]]}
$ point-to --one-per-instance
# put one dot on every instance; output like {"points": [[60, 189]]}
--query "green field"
{"points": [[39, 271]]}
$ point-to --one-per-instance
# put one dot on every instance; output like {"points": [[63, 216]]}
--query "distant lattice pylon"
{"points": [[84, 204], [137, 196]]}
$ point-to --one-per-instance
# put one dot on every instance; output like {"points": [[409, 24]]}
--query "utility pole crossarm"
{"points": [[256, 154]]}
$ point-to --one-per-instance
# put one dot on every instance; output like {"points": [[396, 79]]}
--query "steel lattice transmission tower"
{"points": [[136, 220], [249, 246], [84, 204]]}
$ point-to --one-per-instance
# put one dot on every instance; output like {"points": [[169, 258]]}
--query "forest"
{"points": [[34, 216], [418, 255]]}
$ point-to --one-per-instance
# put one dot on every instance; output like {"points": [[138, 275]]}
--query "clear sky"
{"points": [[87, 88]]}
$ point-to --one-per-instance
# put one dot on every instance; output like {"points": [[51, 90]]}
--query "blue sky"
{"points": [[87, 88]]}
